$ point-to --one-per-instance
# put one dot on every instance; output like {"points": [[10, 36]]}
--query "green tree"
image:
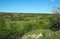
{"points": [[56, 19]]}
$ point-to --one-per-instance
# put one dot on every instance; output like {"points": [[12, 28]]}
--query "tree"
{"points": [[56, 19], [56, 10]]}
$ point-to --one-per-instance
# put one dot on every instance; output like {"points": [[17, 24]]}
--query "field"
{"points": [[29, 26]]}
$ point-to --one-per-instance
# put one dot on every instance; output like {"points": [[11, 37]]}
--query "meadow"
{"points": [[29, 26]]}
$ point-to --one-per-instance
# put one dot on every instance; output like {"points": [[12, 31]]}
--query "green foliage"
{"points": [[55, 22], [14, 26]]}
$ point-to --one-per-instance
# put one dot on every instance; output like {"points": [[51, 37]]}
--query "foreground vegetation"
{"points": [[17, 26]]}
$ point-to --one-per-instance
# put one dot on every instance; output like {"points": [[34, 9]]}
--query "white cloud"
{"points": [[52, 0]]}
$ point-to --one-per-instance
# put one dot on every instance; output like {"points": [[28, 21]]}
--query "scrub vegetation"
{"points": [[29, 26]]}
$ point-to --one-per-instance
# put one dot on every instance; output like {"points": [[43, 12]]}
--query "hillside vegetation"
{"points": [[29, 26]]}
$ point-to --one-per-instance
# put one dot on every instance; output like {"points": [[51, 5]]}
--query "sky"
{"points": [[28, 6]]}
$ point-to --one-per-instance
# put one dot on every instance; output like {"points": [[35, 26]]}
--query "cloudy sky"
{"points": [[39, 6]]}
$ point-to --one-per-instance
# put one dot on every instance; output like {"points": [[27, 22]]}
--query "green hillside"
{"points": [[29, 26]]}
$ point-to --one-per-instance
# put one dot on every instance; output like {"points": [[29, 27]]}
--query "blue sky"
{"points": [[44, 6]]}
